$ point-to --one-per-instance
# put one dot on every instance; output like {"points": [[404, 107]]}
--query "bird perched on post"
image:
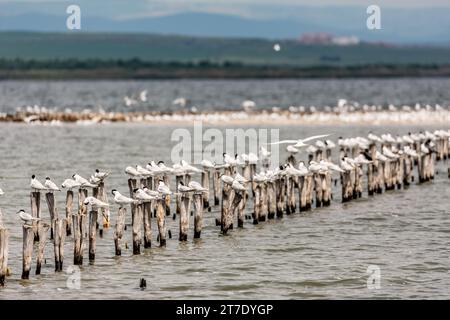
{"points": [[83, 182], [95, 203], [36, 185], [142, 196], [121, 199], [70, 184], [50, 185], [26, 217]]}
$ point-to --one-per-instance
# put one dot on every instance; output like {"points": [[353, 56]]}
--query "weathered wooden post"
{"points": [[318, 189], [205, 184], [184, 216], [303, 190], [60, 236], [271, 199], [28, 239], [198, 217], [178, 179], [326, 189], [226, 216], [69, 205], [257, 204], [137, 228], [166, 179], [264, 203], [118, 233], [241, 209], [4, 240], [147, 212], [216, 186], [290, 195], [35, 198], [132, 184], [105, 213], [78, 238], [161, 220], [93, 218], [43, 232], [280, 190], [50, 198], [372, 170]]}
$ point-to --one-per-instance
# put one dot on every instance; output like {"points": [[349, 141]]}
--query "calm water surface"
{"points": [[321, 254]]}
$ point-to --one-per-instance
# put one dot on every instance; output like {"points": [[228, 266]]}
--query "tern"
{"points": [[100, 175], [207, 164], [163, 189], [264, 153], [190, 169], [182, 188], [238, 186], [95, 203], [153, 193], [26, 217], [121, 199], [252, 158], [331, 166], [164, 168], [240, 178], [50, 185], [301, 142], [292, 149], [229, 160], [70, 184], [196, 186], [36, 185], [132, 172], [227, 179], [83, 182], [142, 171], [1, 192], [143, 196]]}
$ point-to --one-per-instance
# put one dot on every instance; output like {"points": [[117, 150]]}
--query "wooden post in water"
{"points": [[216, 186], [78, 237], [205, 184], [280, 191], [43, 232], [302, 193], [137, 228], [227, 216], [4, 239], [118, 233], [291, 204], [257, 203], [318, 189], [161, 220], [93, 218], [198, 217], [50, 198], [147, 212], [271, 200], [35, 198], [60, 236], [241, 209], [166, 179], [309, 191], [69, 205], [264, 203], [184, 216], [28, 239], [132, 183], [105, 213], [178, 179], [326, 189]]}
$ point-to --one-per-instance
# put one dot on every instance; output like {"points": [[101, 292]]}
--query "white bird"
{"points": [[238, 186], [320, 144], [207, 164], [361, 159], [388, 153], [264, 152], [1, 192], [252, 158], [132, 172], [227, 179], [196, 186], [292, 171], [346, 166], [292, 149], [153, 193], [143, 196], [129, 101], [240, 178], [143, 95], [121, 199], [163, 189], [314, 167], [189, 168], [70, 184], [94, 180], [36, 185], [95, 203], [165, 169], [229, 160], [259, 177], [373, 138], [301, 142], [26, 217], [182, 188], [143, 172], [100, 175], [331, 166], [311, 149], [83, 182], [248, 105], [330, 144], [50, 185], [180, 102]]}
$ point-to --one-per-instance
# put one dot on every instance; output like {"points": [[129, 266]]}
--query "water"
{"points": [[220, 94], [321, 254]]}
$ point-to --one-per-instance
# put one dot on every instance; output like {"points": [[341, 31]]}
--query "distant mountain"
{"points": [[412, 25]]}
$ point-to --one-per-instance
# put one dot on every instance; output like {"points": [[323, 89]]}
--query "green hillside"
{"points": [[48, 46]]}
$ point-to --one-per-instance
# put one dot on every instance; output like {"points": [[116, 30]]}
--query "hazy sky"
{"points": [[123, 9]]}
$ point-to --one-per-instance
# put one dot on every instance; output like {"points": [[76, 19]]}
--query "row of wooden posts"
{"points": [[271, 199]]}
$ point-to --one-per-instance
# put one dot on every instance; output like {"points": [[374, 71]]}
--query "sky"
{"points": [[257, 9]]}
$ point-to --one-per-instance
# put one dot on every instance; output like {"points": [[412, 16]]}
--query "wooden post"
{"points": [[69, 205], [280, 195], [318, 188], [216, 186], [78, 238], [226, 217], [309, 191], [271, 200], [131, 186], [35, 198], [178, 179], [241, 209], [205, 184], [326, 189], [147, 212], [43, 232], [264, 203], [137, 227], [184, 217], [28, 238], [118, 233], [161, 219], [93, 218], [60, 236], [302, 190], [198, 217], [257, 204], [50, 198], [4, 239], [166, 180], [237, 198]]}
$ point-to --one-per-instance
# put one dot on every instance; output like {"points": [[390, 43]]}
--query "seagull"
{"points": [[26, 217], [182, 188], [196, 186], [95, 203], [36, 185], [100, 175], [301, 142], [143, 196], [83, 182], [70, 184], [163, 189], [50, 185], [121, 199]]}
